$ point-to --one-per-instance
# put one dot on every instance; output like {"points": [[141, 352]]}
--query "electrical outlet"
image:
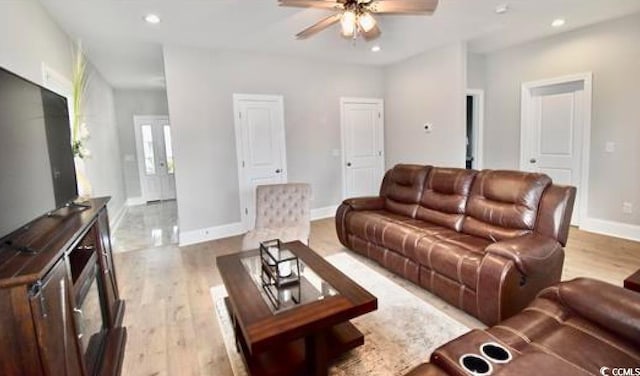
{"points": [[627, 208]]}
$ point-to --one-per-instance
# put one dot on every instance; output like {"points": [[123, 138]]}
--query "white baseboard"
{"points": [[233, 229], [210, 233], [134, 201], [116, 219], [321, 213], [611, 228]]}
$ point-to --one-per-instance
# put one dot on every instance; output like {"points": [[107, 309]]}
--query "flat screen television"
{"points": [[37, 172]]}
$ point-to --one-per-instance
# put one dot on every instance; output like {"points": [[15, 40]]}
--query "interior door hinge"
{"points": [[379, 115], [246, 211], [242, 163], [239, 115]]}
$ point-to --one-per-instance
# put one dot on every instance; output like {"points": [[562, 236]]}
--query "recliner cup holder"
{"points": [[496, 353], [475, 365]]}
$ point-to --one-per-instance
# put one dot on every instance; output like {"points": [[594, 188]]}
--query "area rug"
{"points": [[401, 334]]}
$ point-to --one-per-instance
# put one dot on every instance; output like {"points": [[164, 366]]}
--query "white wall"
{"points": [[29, 39], [200, 85], [104, 165], [611, 51], [429, 88], [128, 103], [476, 71]]}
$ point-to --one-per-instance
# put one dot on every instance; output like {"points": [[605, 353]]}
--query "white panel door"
{"points": [[155, 158], [261, 148], [554, 133], [363, 146]]}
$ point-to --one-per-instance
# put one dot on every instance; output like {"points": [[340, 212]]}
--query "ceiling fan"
{"points": [[356, 17]]}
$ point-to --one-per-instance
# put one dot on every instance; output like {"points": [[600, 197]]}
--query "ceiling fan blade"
{"points": [[403, 6], [321, 4], [372, 34], [319, 26]]}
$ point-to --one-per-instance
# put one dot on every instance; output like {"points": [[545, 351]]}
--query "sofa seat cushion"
{"points": [[548, 326], [447, 252], [394, 231], [454, 255], [371, 225]]}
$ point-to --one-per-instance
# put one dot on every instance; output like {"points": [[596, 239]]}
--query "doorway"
{"points": [[362, 128], [555, 132], [475, 128], [155, 158], [260, 148]]}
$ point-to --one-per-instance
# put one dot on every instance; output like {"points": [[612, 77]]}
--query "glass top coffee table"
{"points": [[308, 328]]}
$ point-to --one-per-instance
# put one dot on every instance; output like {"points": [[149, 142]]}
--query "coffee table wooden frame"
{"points": [[633, 282], [300, 340]]}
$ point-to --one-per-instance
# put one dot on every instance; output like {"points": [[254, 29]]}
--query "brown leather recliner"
{"points": [[486, 242], [574, 328]]}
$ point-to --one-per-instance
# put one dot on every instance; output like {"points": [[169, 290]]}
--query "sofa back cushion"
{"points": [[444, 197], [504, 204], [402, 188]]}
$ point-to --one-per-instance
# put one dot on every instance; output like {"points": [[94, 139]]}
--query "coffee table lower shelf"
{"points": [[289, 359]]}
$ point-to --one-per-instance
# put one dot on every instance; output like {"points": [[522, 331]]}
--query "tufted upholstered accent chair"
{"points": [[282, 212]]}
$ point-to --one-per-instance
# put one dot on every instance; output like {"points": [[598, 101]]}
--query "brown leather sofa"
{"points": [[574, 328], [486, 242]]}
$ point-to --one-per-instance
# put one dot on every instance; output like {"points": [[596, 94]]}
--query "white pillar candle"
{"points": [[284, 269]]}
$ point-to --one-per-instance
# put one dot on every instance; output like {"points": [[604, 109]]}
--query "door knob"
{"points": [[532, 160], [348, 164], [278, 171]]}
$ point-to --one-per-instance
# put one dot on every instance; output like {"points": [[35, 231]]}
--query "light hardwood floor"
{"points": [[170, 318]]}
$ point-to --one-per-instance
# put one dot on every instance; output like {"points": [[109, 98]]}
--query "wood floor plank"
{"points": [[171, 321]]}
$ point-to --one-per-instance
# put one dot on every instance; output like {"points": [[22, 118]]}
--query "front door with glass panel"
{"points": [[155, 158]]}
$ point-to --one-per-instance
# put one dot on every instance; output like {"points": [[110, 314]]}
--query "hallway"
{"points": [[147, 226]]}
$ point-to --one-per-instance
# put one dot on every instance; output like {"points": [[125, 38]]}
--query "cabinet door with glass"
{"points": [[155, 158]]}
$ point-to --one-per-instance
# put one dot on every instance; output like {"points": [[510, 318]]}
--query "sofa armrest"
{"points": [[365, 203], [350, 205], [531, 253], [611, 307]]}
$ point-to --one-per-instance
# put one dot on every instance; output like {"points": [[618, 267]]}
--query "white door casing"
{"points": [[154, 151], [555, 133], [260, 147], [362, 129]]}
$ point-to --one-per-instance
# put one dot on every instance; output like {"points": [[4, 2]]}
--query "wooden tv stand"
{"points": [[60, 310]]}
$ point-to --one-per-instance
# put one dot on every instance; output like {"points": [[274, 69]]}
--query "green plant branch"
{"points": [[80, 82]]}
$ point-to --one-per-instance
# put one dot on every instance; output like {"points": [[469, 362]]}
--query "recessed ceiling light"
{"points": [[502, 9], [558, 22], [152, 18], [376, 48]]}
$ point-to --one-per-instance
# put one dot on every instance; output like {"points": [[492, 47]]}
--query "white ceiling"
{"points": [[128, 51]]}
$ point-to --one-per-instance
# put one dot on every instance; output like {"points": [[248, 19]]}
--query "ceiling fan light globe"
{"points": [[348, 22], [366, 22]]}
